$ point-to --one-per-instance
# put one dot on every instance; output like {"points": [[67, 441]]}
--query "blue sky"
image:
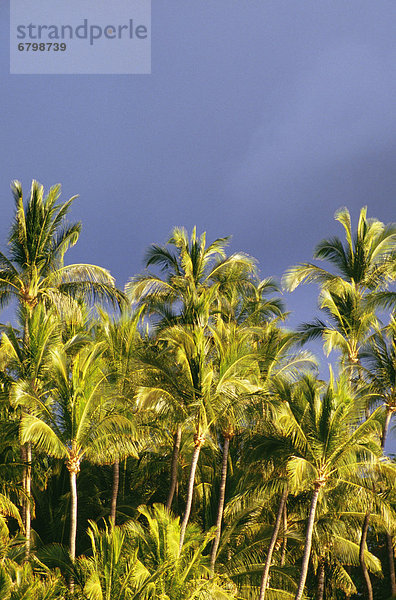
{"points": [[260, 119]]}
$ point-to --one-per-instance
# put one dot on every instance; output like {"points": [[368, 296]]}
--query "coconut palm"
{"points": [[347, 328], [28, 362], [365, 261], [331, 443], [193, 275], [237, 379], [33, 271], [380, 360], [362, 269], [266, 353], [122, 342], [75, 418], [141, 560]]}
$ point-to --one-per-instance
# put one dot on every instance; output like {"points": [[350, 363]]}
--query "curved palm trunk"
{"points": [[175, 460], [284, 543], [114, 495], [198, 441], [308, 543], [28, 490], [220, 509], [361, 556], [321, 582], [268, 560]]}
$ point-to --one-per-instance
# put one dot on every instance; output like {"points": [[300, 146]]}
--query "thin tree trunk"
{"points": [[174, 465], [268, 560], [361, 556], [391, 557], [308, 543], [284, 543], [73, 514], [389, 541], [114, 495], [198, 441], [28, 490], [388, 417], [26, 453], [23, 461], [321, 581], [73, 520], [220, 508]]}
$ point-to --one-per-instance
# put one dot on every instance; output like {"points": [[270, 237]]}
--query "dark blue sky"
{"points": [[259, 120]]}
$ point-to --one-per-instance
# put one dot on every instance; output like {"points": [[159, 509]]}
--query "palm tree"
{"points": [[29, 363], [140, 560], [237, 380], [365, 261], [34, 271], [76, 419], [122, 342], [193, 275], [195, 278], [380, 359], [331, 442], [347, 329], [362, 269]]}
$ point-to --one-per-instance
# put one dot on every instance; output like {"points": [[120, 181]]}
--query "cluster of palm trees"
{"points": [[175, 440]]}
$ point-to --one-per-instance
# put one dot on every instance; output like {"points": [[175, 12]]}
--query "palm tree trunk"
{"points": [[220, 508], [198, 441], [389, 541], [308, 543], [23, 461], [73, 513], [28, 490], [391, 558], [361, 556], [284, 543], [321, 582], [114, 495], [26, 453], [175, 460], [388, 417], [268, 560]]}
